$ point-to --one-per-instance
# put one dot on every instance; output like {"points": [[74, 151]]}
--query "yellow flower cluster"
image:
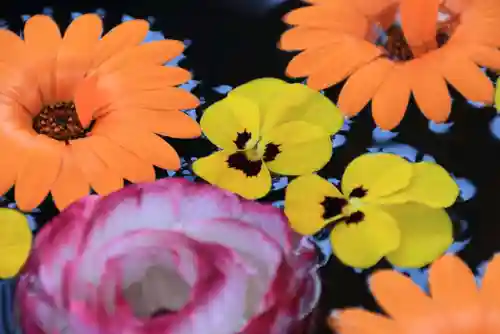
{"points": [[387, 207]]}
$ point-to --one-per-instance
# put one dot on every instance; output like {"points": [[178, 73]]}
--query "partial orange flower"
{"points": [[390, 49], [456, 304], [80, 112]]}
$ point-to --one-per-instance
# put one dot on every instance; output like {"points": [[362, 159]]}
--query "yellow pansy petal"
{"points": [[262, 91], [301, 103], [303, 199], [215, 170], [426, 233], [15, 242], [430, 185], [282, 102], [303, 148], [363, 244], [225, 119], [380, 174]]}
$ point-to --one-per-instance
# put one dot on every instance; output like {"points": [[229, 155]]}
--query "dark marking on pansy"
{"points": [[271, 152], [358, 192], [333, 206], [242, 139], [240, 162], [355, 217]]}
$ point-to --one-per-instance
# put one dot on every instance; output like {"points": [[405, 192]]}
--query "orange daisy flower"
{"points": [[80, 112], [457, 305], [390, 49]]}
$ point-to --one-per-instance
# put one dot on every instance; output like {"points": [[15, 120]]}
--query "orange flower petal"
{"points": [[175, 124], [169, 98], [490, 294], [486, 56], [490, 288], [359, 321], [70, 184], [122, 161], [142, 78], [419, 23], [410, 305], [452, 283], [20, 87], [101, 178], [334, 16], [453, 286], [467, 78], [348, 58], [74, 56], [430, 90], [144, 144], [372, 8], [343, 47], [152, 53], [120, 38], [42, 37], [310, 60], [15, 52], [391, 99], [457, 6], [362, 86], [88, 99], [479, 23], [14, 148], [300, 38], [38, 172]]}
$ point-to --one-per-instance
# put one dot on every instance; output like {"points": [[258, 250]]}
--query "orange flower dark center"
{"points": [[397, 47], [60, 122]]}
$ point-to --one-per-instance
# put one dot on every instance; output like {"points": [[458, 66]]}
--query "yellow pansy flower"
{"points": [[264, 126], [387, 207], [15, 242]]}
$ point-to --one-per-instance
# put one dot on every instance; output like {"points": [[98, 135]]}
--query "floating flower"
{"points": [[267, 125], [386, 59], [80, 112], [388, 207], [15, 242], [168, 257], [455, 304]]}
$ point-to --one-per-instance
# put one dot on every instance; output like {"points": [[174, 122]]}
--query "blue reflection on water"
{"points": [[380, 135], [495, 127], [440, 128]]}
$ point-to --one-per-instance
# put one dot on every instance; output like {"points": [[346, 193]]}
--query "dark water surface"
{"points": [[234, 41]]}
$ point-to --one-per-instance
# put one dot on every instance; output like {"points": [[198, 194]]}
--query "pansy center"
{"points": [[252, 154], [59, 121]]}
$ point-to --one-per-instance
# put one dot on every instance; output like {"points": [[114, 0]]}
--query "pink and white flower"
{"points": [[170, 257]]}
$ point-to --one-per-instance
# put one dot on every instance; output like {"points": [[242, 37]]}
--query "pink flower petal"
{"points": [[220, 263]]}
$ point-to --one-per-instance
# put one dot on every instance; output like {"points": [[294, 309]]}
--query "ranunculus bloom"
{"points": [[167, 257], [386, 207], [456, 304]]}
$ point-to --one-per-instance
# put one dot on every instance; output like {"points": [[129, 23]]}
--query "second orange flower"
{"points": [[80, 112], [390, 49]]}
